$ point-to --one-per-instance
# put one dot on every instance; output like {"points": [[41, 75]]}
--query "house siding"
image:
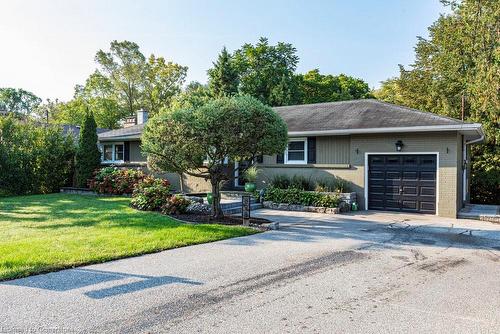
{"points": [[135, 152], [344, 157], [330, 150], [445, 143], [333, 150]]}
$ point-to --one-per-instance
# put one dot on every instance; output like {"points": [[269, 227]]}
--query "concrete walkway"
{"points": [[484, 212], [370, 272]]}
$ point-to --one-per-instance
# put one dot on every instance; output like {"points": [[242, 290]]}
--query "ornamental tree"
{"points": [[204, 141], [88, 157]]}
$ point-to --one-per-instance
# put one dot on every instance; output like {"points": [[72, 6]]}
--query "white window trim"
{"points": [[296, 162], [114, 152]]}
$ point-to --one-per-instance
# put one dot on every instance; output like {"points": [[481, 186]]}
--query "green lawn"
{"points": [[44, 233]]}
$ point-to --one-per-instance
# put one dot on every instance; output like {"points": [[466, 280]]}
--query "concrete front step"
{"points": [[232, 194], [237, 210], [489, 213]]}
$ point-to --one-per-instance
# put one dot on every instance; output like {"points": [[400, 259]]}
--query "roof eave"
{"points": [[468, 127], [115, 138]]}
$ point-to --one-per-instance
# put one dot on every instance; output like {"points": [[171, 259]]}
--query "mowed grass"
{"points": [[43, 233]]}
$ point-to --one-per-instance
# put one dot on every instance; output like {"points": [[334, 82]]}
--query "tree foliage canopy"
{"points": [[199, 141], [460, 60], [267, 71], [223, 77], [315, 87], [18, 101]]}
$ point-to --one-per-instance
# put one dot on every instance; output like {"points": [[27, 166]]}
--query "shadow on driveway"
{"points": [[78, 278], [393, 232]]}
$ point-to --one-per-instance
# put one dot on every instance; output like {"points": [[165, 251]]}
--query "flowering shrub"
{"points": [[151, 194], [297, 196], [112, 180], [175, 205]]}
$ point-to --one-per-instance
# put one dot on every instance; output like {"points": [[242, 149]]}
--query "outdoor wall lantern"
{"points": [[399, 146]]}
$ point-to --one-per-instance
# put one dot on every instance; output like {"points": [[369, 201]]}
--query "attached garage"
{"points": [[402, 182]]}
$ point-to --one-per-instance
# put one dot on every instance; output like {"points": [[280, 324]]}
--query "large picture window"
{"points": [[296, 152], [112, 152]]}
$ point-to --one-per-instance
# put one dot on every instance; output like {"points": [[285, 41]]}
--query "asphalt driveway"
{"points": [[369, 272]]}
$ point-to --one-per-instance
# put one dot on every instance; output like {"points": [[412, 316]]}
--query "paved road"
{"points": [[369, 273]]}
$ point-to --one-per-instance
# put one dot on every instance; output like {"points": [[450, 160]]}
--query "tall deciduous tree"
{"points": [[88, 156], [138, 82], [267, 72], [456, 71], [199, 141], [223, 77], [18, 100], [163, 80], [125, 66], [316, 87]]}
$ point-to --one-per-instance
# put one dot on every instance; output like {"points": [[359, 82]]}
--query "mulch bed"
{"points": [[226, 220]]}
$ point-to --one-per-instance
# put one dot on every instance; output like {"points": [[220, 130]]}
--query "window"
{"points": [[119, 152], [112, 152], [296, 152]]}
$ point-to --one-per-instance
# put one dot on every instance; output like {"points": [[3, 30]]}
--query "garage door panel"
{"points": [[402, 183], [428, 207], [392, 204], [377, 205], [377, 189], [410, 175], [392, 161], [410, 205], [427, 176], [377, 174], [410, 190], [427, 191]]}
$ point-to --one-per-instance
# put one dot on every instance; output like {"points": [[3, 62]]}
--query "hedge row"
{"points": [[33, 158], [298, 196]]}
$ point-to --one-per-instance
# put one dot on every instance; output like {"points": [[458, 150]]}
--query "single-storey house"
{"points": [[395, 158]]}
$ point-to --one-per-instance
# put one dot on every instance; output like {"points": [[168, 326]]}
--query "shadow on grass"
{"points": [[79, 211], [80, 278]]}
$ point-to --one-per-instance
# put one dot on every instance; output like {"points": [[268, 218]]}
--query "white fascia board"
{"points": [[135, 136], [461, 127]]}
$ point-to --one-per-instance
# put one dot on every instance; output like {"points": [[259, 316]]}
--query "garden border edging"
{"points": [[298, 207]]}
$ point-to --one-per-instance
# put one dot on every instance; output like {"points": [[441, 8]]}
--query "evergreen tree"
{"points": [[88, 157], [223, 77]]}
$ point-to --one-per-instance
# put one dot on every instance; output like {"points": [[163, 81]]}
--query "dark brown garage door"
{"points": [[402, 183]]}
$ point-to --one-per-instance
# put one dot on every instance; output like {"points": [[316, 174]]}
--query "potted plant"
{"points": [[250, 176], [210, 198]]}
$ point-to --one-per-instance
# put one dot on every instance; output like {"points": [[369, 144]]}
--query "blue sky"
{"points": [[48, 46]]}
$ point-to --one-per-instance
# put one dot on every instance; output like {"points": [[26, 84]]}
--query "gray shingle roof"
{"points": [[332, 116], [357, 114], [132, 131], [74, 130]]}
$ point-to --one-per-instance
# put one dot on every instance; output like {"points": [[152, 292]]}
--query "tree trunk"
{"points": [[216, 208]]}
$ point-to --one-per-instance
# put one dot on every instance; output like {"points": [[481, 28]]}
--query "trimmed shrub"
{"points": [[333, 184], [151, 194], [175, 205], [280, 181], [301, 197], [112, 180], [301, 182]]}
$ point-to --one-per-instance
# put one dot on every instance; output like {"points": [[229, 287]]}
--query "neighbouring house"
{"points": [[395, 158], [74, 131]]}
